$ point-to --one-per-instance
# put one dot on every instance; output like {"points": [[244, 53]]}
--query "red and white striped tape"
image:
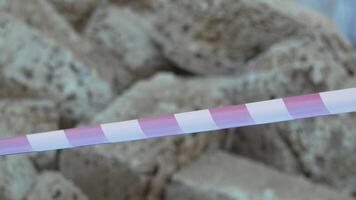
{"points": [[288, 108]]}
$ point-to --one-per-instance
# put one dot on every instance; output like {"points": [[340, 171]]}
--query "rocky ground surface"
{"points": [[67, 63]]}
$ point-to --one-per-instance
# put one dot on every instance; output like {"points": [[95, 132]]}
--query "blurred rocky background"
{"points": [[66, 63]]}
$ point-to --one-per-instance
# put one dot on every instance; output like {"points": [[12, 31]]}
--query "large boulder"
{"points": [[219, 37], [140, 170], [31, 62], [223, 176]]}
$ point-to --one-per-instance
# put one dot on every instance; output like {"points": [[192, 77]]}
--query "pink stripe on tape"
{"points": [[305, 106], [85, 135], [159, 126], [13, 145], [231, 116]]}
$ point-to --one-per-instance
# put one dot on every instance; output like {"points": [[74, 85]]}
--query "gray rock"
{"points": [[53, 186], [17, 175], [141, 169], [219, 37], [40, 15], [23, 116], [127, 35], [34, 63], [222, 176]]}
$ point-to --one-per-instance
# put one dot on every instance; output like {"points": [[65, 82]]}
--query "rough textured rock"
{"points": [[308, 60], [53, 186], [40, 15], [30, 62], [16, 177], [29, 116], [210, 37], [127, 36], [140, 169], [226, 177], [292, 67]]}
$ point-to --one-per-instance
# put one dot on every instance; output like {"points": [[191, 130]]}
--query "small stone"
{"points": [[219, 37], [141, 169], [35, 63], [53, 186], [222, 176], [17, 175], [127, 35]]}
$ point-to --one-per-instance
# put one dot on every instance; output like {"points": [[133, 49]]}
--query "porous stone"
{"points": [[32, 62], [292, 67], [141, 169], [219, 37], [24, 116], [222, 176], [127, 35], [53, 186], [17, 175]]}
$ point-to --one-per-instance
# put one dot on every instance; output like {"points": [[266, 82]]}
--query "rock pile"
{"points": [[67, 63]]}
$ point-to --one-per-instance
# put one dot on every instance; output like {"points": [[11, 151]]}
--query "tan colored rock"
{"points": [[139, 170], [17, 175], [127, 35], [34, 63], [222, 176], [25, 116], [219, 37], [53, 186]]}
